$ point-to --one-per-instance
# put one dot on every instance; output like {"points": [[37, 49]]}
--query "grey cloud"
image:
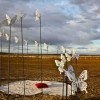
{"points": [[84, 1], [82, 48], [88, 8], [79, 29]]}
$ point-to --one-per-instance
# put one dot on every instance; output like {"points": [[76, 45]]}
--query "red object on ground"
{"points": [[41, 85]]}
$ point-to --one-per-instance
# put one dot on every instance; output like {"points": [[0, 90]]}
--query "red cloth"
{"points": [[41, 85]]}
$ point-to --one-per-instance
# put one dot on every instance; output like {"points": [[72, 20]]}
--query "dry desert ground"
{"points": [[28, 67]]}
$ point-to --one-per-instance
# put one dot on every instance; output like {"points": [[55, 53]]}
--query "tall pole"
{"points": [[17, 55], [27, 48], [67, 85], [27, 55], [38, 55], [63, 87], [1, 60], [57, 51], [41, 53], [18, 61], [38, 18], [76, 94], [57, 58], [47, 49], [9, 59], [22, 54]]}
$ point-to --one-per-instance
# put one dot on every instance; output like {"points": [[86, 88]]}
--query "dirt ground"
{"points": [[15, 67]]}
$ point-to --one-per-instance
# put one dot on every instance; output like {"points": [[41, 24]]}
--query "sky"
{"points": [[69, 23]]}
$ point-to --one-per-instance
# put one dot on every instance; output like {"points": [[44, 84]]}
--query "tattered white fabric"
{"points": [[77, 82], [81, 81], [45, 46], [36, 44], [54, 88], [70, 73], [16, 39], [7, 36], [63, 58], [60, 65], [63, 49], [19, 16], [68, 57], [37, 15], [68, 51], [75, 54], [8, 19], [25, 42], [11, 20], [69, 54]]}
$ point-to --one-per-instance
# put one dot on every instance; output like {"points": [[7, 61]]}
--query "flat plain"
{"points": [[17, 67]]}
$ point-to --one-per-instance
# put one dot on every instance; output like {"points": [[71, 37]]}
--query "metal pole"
{"points": [[18, 61], [47, 50], [76, 94], [1, 61], [41, 54], [38, 59], [9, 60], [63, 88], [22, 55], [57, 52], [57, 58], [27, 48], [66, 86], [27, 55]]}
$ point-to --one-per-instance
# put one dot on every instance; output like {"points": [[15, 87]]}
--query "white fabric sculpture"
{"points": [[68, 57], [36, 44], [16, 39], [37, 15], [11, 20], [63, 58], [60, 65], [26, 43], [45, 46], [7, 37], [75, 54], [77, 82]]}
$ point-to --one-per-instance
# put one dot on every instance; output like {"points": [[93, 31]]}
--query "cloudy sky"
{"points": [[71, 23]]}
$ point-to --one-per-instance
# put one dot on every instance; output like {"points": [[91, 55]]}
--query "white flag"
{"points": [[36, 44], [13, 20], [20, 15], [8, 19], [69, 57], [16, 39], [7, 37], [68, 51], [25, 42], [63, 49], [37, 15], [75, 54], [0, 34], [45, 46]]}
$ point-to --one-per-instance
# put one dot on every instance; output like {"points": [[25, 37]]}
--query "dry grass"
{"points": [[32, 71]]}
